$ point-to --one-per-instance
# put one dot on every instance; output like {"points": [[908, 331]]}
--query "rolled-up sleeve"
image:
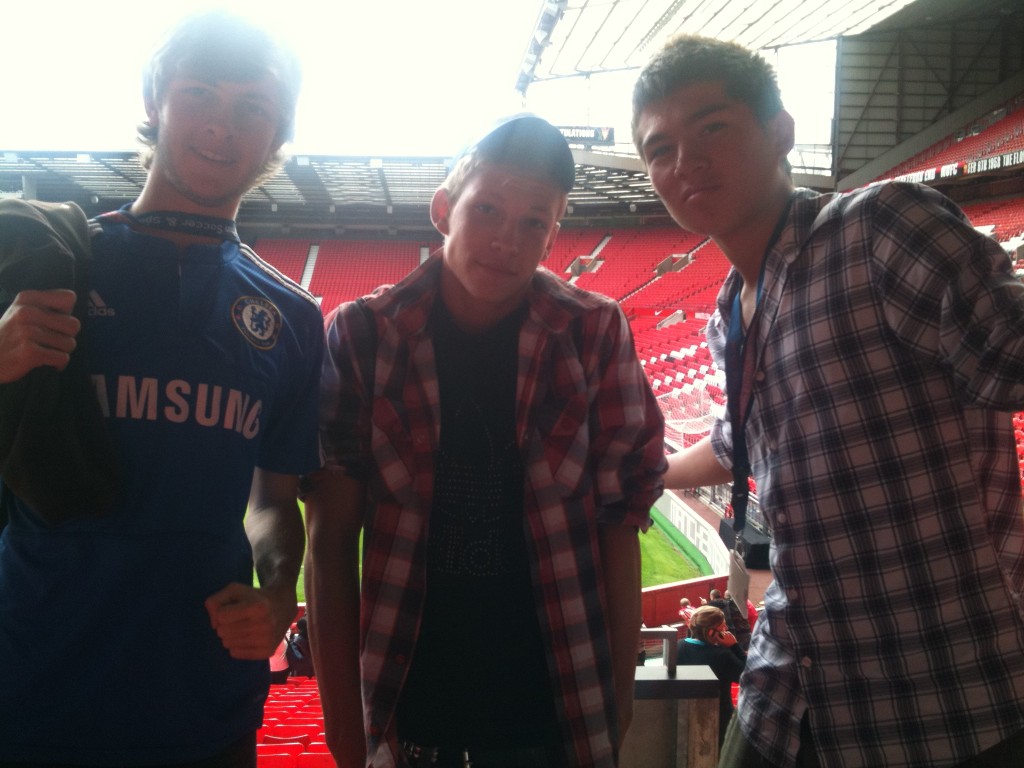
{"points": [[628, 447], [345, 387], [721, 430]]}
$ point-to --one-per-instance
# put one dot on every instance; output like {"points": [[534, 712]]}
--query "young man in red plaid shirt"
{"points": [[489, 429]]}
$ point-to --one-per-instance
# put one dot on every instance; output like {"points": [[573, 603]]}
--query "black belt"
{"points": [[420, 756]]}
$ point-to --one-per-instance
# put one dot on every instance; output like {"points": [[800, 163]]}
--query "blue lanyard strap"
{"points": [[740, 363]]}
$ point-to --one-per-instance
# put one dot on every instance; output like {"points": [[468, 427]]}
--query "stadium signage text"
{"points": [[585, 134], [947, 171], [951, 170], [996, 162], [917, 177]]}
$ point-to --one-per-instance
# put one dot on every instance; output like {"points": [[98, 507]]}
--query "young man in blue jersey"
{"points": [[205, 363], [873, 344]]}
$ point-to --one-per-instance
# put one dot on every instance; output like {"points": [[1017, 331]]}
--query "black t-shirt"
{"points": [[478, 674]]}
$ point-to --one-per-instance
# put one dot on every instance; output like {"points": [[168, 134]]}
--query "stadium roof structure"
{"points": [[574, 38], [318, 193], [958, 51]]}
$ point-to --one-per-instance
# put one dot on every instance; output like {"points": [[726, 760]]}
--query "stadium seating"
{"points": [[570, 245], [1005, 218], [315, 760], [287, 256], [675, 356], [348, 269], [629, 258], [692, 289], [292, 734], [975, 142]]}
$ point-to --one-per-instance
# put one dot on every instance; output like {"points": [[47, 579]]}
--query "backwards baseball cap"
{"points": [[529, 142]]}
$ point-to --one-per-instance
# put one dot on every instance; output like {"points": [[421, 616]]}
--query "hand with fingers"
{"points": [[250, 622], [37, 329]]}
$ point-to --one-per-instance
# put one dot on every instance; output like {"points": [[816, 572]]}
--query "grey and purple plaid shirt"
{"points": [[891, 357]]}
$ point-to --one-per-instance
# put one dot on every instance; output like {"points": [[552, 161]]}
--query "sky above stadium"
{"points": [[381, 77]]}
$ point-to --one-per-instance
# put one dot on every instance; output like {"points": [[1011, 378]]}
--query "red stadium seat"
{"points": [[277, 755], [315, 760], [280, 734], [282, 747]]}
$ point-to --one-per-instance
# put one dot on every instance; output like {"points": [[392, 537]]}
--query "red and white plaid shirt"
{"points": [[591, 437]]}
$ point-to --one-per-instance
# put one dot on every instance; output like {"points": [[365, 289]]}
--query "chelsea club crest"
{"points": [[258, 320]]}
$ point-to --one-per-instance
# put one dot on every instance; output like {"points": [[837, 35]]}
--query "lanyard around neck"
{"points": [[740, 365], [175, 221]]}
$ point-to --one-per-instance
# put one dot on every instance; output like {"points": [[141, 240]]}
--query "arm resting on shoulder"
{"points": [[251, 622], [620, 563], [334, 518]]}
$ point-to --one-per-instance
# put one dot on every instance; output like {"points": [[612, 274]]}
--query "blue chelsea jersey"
{"points": [[206, 365], [204, 361]]}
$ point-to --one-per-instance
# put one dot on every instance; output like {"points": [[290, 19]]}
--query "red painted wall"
{"points": [[660, 605]]}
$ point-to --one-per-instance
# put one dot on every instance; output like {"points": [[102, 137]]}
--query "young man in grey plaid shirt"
{"points": [[874, 347]]}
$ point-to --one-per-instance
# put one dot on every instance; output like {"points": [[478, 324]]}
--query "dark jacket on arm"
{"points": [[55, 453]]}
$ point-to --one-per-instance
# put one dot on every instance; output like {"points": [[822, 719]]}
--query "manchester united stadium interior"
{"points": [[930, 91]]}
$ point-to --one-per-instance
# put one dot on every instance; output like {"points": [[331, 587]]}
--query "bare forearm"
{"points": [[334, 519], [278, 542], [274, 528], [251, 622], [332, 599], [695, 467]]}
